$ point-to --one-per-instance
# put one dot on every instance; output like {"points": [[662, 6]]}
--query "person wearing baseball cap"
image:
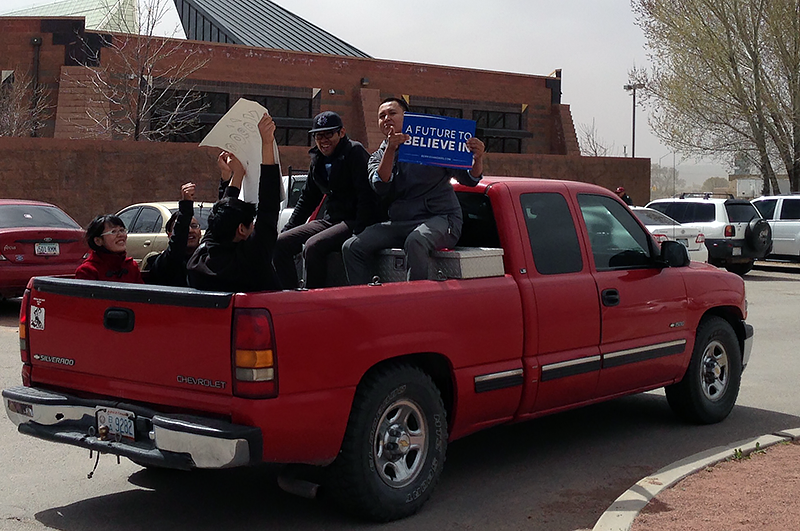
{"points": [[620, 191], [338, 175]]}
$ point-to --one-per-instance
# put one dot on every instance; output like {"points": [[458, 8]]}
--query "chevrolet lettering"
{"points": [[217, 384]]}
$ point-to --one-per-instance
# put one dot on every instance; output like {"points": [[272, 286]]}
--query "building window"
{"points": [[205, 110], [441, 111], [292, 118], [501, 131]]}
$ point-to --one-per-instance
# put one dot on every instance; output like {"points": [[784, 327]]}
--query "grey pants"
{"points": [[418, 240]]}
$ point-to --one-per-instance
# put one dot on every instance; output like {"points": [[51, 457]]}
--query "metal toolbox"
{"points": [[461, 262]]}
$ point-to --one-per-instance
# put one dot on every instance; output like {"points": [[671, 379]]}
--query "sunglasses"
{"points": [[324, 135]]}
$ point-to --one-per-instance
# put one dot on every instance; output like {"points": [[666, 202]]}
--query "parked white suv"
{"points": [[736, 234], [782, 212]]}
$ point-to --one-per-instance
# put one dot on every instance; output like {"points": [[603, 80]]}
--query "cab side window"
{"points": [[617, 240], [554, 240], [790, 209]]}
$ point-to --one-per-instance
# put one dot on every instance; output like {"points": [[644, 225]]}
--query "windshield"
{"points": [[35, 216], [201, 213]]}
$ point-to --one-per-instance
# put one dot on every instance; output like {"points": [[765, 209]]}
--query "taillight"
{"points": [[255, 367], [730, 231], [701, 238], [660, 238], [24, 349]]}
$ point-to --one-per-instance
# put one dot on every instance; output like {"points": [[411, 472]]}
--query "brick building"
{"points": [[528, 131]]}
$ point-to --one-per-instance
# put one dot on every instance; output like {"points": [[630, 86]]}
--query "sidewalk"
{"points": [[621, 514]]}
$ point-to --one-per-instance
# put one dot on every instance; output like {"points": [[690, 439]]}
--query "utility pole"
{"points": [[632, 87]]}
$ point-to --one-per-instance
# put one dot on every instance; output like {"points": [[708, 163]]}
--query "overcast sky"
{"points": [[593, 42]]}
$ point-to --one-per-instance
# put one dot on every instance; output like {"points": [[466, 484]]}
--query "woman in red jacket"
{"points": [[107, 238]]}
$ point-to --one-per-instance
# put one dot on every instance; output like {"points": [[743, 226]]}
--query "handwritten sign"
{"points": [[437, 141], [237, 132]]}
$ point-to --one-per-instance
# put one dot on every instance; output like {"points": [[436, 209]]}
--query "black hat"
{"points": [[326, 121]]}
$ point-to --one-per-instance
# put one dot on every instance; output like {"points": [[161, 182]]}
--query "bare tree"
{"points": [[591, 144], [143, 89], [665, 182], [726, 79], [23, 106]]}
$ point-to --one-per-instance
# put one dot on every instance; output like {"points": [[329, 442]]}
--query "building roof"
{"points": [[101, 15], [263, 24]]}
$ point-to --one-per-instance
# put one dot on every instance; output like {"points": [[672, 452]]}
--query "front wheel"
{"points": [[710, 386], [394, 447]]}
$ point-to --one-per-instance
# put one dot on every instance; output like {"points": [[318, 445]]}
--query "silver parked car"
{"points": [[664, 228]]}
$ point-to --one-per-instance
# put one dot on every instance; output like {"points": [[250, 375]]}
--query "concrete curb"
{"points": [[621, 514], [778, 267]]}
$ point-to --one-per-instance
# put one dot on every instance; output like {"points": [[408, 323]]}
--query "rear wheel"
{"points": [[740, 269], [394, 447], [710, 386]]}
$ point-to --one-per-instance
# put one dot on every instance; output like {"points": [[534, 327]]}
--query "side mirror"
{"points": [[674, 254]]}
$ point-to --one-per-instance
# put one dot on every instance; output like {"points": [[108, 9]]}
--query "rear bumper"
{"points": [[169, 441], [721, 252]]}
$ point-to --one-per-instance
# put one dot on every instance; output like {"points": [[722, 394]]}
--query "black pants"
{"points": [[316, 240]]}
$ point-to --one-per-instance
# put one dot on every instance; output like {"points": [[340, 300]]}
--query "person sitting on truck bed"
{"points": [[168, 268], [108, 240], [424, 213], [236, 253], [338, 172]]}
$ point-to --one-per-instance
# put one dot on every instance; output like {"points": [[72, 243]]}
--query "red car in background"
{"points": [[36, 239]]}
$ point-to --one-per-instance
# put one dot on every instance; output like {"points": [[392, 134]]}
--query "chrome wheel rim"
{"points": [[401, 443], [715, 371]]}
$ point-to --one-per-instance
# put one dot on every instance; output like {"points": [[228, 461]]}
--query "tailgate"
{"points": [[136, 342]]}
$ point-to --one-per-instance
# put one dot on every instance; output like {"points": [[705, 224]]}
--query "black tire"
{"points": [[710, 386], [394, 447], [758, 236], [740, 269]]}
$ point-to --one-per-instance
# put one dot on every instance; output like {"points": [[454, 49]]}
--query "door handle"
{"points": [[146, 243], [610, 297]]}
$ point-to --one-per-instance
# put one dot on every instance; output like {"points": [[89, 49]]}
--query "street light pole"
{"points": [[632, 87]]}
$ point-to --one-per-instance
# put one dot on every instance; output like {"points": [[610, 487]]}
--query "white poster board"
{"points": [[237, 132]]}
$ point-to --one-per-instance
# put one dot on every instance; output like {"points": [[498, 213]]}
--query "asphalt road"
{"points": [[558, 473]]}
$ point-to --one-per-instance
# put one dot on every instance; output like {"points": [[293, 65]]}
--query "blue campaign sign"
{"points": [[437, 141]]}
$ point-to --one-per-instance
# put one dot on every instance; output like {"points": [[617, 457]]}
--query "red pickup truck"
{"points": [[371, 382]]}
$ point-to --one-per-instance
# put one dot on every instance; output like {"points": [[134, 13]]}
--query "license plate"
{"points": [[684, 242], [118, 421], [736, 251], [46, 249]]}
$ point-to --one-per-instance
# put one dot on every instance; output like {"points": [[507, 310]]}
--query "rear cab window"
{"points": [[554, 240]]}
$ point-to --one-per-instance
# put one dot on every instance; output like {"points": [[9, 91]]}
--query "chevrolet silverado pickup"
{"points": [[555, 297]]}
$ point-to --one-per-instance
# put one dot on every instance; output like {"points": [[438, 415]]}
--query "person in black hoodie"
{"points": [[168, 268], [236, 253], [338, 173]]}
